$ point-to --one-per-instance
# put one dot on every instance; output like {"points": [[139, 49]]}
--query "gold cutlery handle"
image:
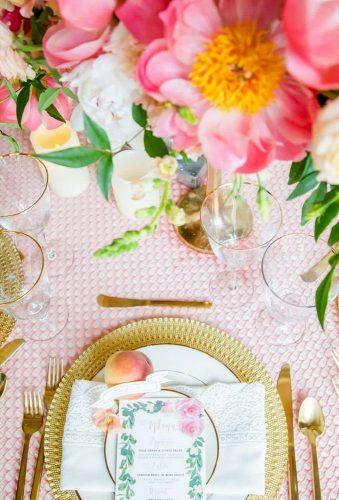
{"points": [[316, 479], [23, 467], [179, 303], [38, 470], [292, 476]]}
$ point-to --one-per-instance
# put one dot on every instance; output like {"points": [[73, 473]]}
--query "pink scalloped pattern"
{"points": [[162, 267]]}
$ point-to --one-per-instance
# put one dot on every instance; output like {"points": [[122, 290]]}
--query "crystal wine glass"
{"points": [[24, 287], [25, 205], [289, 293], [238, 235]]}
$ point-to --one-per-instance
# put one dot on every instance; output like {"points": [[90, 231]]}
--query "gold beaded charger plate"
{"points": [[181, 332], [6, 326]]}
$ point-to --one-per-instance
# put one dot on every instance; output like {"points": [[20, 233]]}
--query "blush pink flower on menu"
{"points": [[192, 426], [141, 18], [311, 28], [190, 408], [107, 420], [225, 61]]}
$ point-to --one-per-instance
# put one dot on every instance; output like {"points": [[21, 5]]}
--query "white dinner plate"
{"points": [[187, 366]]}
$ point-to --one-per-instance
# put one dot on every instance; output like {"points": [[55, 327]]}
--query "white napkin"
{"points": [[238, 412]]}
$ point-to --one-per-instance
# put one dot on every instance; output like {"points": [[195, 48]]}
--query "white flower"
{"points": [[166, 166], [176, 215], [107, 88], [325, 143], [12, 66]]}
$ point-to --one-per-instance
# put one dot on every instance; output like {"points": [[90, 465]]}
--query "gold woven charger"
{"points": [[176, 331]]}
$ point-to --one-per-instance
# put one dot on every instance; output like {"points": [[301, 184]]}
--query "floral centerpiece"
{"points": [[241, 82]]}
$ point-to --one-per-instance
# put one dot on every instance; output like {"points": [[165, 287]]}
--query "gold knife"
{"points": [[9, 349], [285, 392], [106, 301]]}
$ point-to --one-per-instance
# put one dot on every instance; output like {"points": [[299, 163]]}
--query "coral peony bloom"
{"points": [[87, 16], [325, 143], [66, 47], [190, 407], [311, 29], [32, 118], [107, 420], [141, 18], [192, 426], [225, 61]]}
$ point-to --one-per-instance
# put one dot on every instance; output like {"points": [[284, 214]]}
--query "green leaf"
{"points": [[306, 184], [323, 290], [104, 174], [317, 195], [54, 113], [96, 134], [334, 235], [144, 213], [11, 140], [22, 101], [67, 91], [139, 115], [300, 169], [187, 114], [76, 157], [55, 74], [154, 146], [317, 209], [11, 91], [264, 203], [47, 98], [325, 219]]}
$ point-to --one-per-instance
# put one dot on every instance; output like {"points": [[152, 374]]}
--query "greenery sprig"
{"points": [[322, 206]]}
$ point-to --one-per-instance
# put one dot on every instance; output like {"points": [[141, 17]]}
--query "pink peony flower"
{"points": [[87, 16], [65, 47], [311, 28], [190, 408], [142, 19], [32, 118], [192, 426], [224, 60], [107, 420]]}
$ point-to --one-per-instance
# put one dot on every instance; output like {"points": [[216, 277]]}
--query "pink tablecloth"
{"points": [[162, 267]]}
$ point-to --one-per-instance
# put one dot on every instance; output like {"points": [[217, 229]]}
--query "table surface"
{"points": [[161, 267]]}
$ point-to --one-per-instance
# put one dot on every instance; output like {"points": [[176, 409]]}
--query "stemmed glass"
{"points": [[289, 295], [25, 205], [24, 287], [238, 235]]}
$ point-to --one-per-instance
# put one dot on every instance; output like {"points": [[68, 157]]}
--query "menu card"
{"points": [[161, 450]]}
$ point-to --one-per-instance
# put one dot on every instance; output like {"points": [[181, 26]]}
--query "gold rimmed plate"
{"points": [[233, 360]]}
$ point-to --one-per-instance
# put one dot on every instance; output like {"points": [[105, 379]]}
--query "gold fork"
{"points": [[54, 375], [31, 423]]}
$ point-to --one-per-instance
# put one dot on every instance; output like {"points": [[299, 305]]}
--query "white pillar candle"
{"points": [[131, 169], [64, 181]]}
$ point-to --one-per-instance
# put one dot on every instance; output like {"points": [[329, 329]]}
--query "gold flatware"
{"points": [[335, 382], [284, 386], [335, 355], [318, 269], [107, 301], [32, 422], [312, 424], [55, 373], [7, 351]]}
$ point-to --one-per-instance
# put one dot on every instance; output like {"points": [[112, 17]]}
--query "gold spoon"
{"points": [[312, 423], [3, 382]]}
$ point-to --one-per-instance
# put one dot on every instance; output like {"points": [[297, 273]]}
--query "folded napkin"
{"points": [[237, 410]]}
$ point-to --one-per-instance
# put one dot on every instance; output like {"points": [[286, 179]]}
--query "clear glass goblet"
{"points": [[25, 206], [238, 236], [289, 292], [24, 287]]}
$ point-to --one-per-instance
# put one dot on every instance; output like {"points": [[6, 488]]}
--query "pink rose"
{"points": [[192, 426], [86, 15], [190, 408], [107, 420], [65, 47], [141, 18], [311, 29]]}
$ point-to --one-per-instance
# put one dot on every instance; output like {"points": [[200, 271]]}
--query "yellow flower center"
{"points": [[239, 68]]}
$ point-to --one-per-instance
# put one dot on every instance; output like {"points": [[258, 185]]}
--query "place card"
{"points": [[161, 449]]}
